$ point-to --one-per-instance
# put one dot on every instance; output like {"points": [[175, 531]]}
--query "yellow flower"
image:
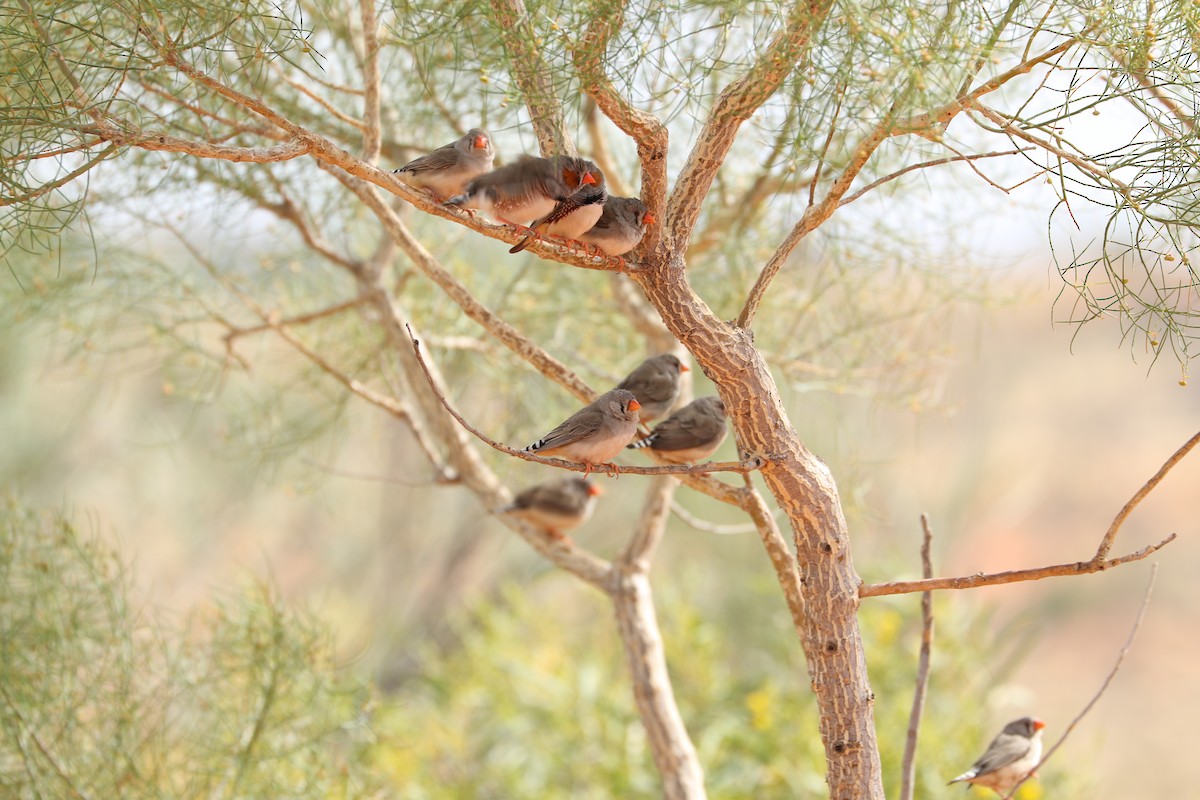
{"points": [[759, 703]]}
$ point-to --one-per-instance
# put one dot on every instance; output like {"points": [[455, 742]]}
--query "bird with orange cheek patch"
{"points": [[655, 383], [595, 433], [620, 228], [527, 189], [446, 171], [1010, 757], [558, 506], [690, 434]]}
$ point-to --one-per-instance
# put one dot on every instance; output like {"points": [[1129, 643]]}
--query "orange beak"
{"points": [[588, 179], [634, 405], [594, 491], [648, 219], [1038, 724], [684, 367], [480, 142]]}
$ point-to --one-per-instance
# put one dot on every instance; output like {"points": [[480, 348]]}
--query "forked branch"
{"points": [[1098, 563]]}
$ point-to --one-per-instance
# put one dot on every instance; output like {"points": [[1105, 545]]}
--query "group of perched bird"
{"points": [[597, 432], [561, 197], [565, 198]]}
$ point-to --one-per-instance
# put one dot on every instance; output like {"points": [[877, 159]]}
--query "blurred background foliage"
{"points": [[105, 695]]}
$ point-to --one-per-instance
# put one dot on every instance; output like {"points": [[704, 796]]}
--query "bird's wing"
{"points": [[581, 424], [442, 158], [1004, 750]]}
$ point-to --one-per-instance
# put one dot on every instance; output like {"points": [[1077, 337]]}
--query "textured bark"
{"points": [[805, 490]]}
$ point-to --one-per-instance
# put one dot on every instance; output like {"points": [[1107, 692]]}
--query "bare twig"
{"points": [[1098, 563], [1137, 623], [908, 768], [692, 521], [925, 165], [666, 469], [1012, 576], [298, 319], [1107, 542]]}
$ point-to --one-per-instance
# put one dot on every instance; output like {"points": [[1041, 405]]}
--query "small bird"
{"points": [[595, 433], [620, 227], [557, 506], [528, 188], [446, 171], [655, 384], [692, 433], [1009, 758], [572, 217]]}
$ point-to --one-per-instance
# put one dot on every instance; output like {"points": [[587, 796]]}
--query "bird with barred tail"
{"points": [[446, 171], [655, 383], [527, 189], [571, 217], [595, 433], [1010, 757], [621, 226], [557, 506], [690, 434]]}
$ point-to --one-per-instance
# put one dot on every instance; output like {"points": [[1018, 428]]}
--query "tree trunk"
{"points": [[805, 490]]}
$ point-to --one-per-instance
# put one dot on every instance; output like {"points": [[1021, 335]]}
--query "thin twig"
{"points": [[1137, 623], [1107, 542], [1012, 576], [935, 163], [666, 469], [908, 769], [692, 521]]}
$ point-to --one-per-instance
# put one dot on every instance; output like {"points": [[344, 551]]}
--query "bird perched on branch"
{"points": [[557, 506], [571, 217], [528, 188], [621, 226], [1009, 758], [446, 171], [655, 384], [692, 433], [595, 433]]}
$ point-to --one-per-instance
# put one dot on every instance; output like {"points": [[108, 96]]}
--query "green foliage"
{"points": [[98, 699], [534, 702]]}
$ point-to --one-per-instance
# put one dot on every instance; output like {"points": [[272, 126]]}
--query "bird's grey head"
{"points": [[1025, 726]]}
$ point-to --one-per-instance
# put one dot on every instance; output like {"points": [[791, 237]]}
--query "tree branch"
{"points": [[646, 130], [509, 336], [908, 768], [735, 105], [372, 137], [633, 601], [1098, 563], [532, 76], [749, 465], [1140, 495]]}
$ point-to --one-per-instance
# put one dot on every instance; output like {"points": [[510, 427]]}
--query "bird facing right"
{"points": [[692, 433], [1009, 758], [528, 188], [620, 227], [595, 433], [655, 384], [557, 506], [446, 171]]}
